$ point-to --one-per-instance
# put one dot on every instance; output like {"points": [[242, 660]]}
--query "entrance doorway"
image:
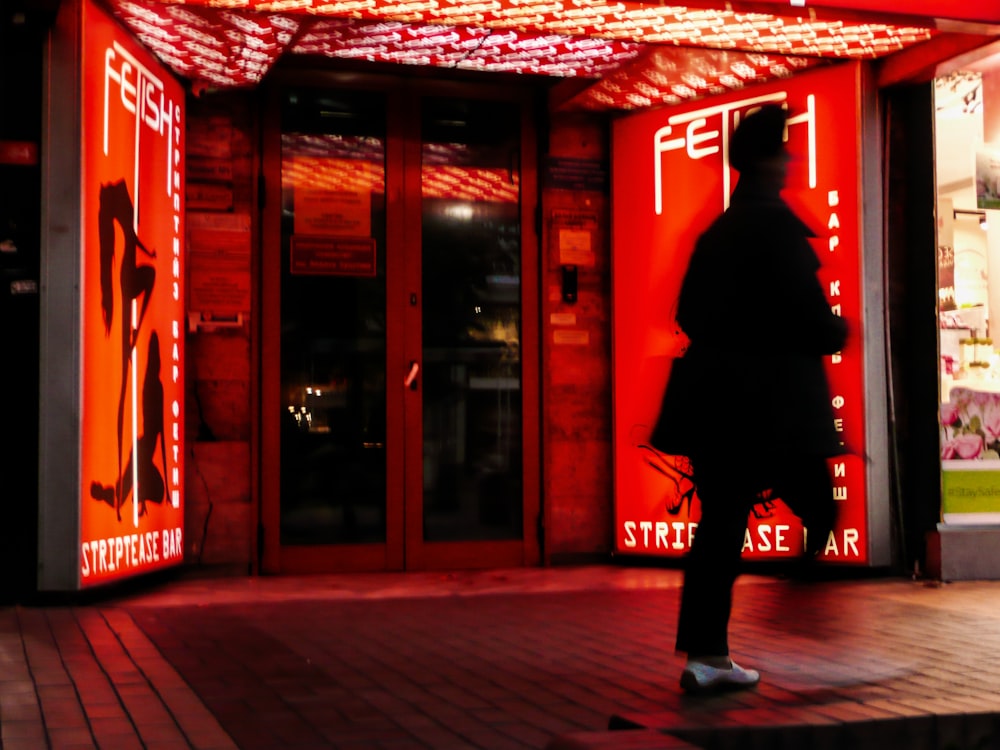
{"points": [[399, 329]]}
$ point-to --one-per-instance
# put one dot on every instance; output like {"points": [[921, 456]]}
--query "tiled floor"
{"points": [[495, 659]]}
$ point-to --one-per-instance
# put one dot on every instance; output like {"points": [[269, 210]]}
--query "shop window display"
{"points": [[967, 165]]}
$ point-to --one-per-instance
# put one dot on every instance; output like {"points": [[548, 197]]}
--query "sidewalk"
{"points": [[528, 658]]}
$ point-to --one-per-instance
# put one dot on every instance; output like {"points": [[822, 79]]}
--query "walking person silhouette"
{"points": [[752, 279]]}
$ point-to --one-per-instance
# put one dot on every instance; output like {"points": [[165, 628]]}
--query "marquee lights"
{"points": [[231, 43], [670, 75]]}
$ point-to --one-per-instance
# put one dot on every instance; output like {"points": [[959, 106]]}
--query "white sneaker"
{"points": [[699, 677]]}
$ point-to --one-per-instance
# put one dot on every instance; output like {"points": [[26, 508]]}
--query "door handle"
{"points": [[411, 377]]}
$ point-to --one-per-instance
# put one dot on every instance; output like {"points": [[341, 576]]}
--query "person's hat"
{"points": [[758, 137]]}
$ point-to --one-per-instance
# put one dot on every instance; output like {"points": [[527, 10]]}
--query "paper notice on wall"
{"points": [[210, 137], [209, 170], [219, 262], [570, 337], [574, 233], [575, 247], [209, 197]]}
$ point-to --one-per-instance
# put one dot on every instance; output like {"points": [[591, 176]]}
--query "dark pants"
{"points": [[727, 491]]}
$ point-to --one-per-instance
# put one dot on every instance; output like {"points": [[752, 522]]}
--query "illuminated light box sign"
{"points": [[669, 181], [132, 255]]}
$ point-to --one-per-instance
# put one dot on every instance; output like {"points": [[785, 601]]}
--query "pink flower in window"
{"points": [[965, 446]]}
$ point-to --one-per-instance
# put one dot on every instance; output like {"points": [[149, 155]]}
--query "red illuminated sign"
{"points": [[132, 225], [670, 180]]}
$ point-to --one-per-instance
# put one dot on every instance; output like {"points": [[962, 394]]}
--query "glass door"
{"points": [[397, 419], [471, 449], [326, 337]]}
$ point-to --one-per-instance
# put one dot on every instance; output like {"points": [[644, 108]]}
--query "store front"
{"points": [[967, 180], [391, 322]]}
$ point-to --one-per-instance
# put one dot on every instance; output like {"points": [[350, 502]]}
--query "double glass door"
{"points": [[398, 389]]}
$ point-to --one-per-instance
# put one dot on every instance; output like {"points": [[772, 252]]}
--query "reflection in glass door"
{"points": [[471, 271], [332, 349], [393, 369]]}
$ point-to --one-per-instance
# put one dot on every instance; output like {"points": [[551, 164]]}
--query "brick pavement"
{"points": [[535, 658], [73, 677]]}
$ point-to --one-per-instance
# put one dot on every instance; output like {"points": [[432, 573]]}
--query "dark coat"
{"points": [[752, 381]]}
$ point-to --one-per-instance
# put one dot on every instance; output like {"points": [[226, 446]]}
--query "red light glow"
{"points": [[231, 43]]}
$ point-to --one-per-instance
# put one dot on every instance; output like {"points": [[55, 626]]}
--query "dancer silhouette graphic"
{"points": [[149, 485], [135, 281]]}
